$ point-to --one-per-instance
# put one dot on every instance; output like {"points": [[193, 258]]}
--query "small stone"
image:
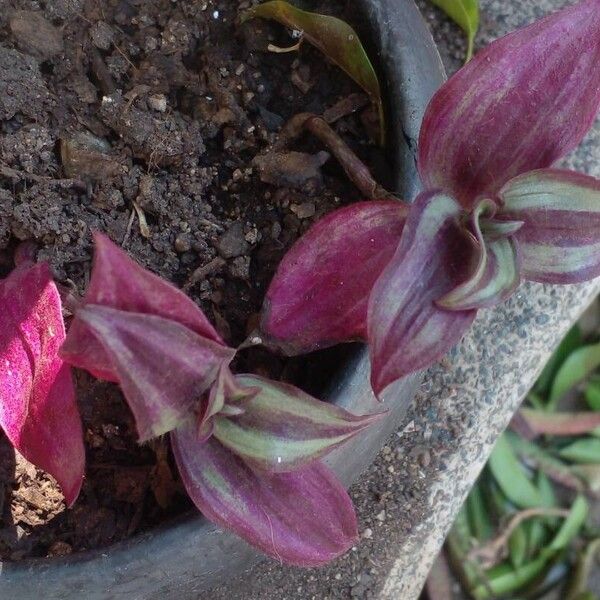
{"points": [[59, 548], [381, 516], [102, 35], [233, 243], [35, 35], [158, 102], [367, 533], [183, 243], [240, 267], [304, 210]]}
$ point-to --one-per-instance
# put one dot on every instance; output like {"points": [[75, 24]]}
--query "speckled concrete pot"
{"points": [[185, 558]]}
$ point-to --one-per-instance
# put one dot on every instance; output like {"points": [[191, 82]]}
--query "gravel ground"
{"points": [[389, 497]]}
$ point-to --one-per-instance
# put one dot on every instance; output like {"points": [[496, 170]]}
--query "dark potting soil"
{"points": [[149, 120]]}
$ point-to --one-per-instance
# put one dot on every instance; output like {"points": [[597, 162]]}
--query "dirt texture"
{"points": [[153, 121]]}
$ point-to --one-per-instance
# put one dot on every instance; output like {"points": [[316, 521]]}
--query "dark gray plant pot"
{"points": [[187, 557]]}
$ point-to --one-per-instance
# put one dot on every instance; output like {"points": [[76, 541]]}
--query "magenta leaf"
{"points": [[303, 518], [162, 366], [38, 409], [319, 295], [407, 331], [560, 237], [282, 428], [496, 276], [521, 104]]}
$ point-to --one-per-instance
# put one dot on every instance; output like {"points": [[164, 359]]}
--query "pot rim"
{"points": [[190, 554]]}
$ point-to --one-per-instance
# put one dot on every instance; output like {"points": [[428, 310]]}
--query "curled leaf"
{"points": [[38, 409], [320, 292], [282, 428], [521, 104], [495, 277], [333, 37], [162, 366], [560, 211], [407, 330], [465, 13], [303, 518]]}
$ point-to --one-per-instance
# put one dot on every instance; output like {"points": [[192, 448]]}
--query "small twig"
{"points": [[66, 183], [216, 264], [489, 554], [144, 229], [356, 170]]}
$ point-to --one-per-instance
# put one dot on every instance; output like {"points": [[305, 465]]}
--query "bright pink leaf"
{"points": [[560, 238], [407, 331], [38, 410], [521, 104], [319, 295], [162, 366], [303, 518], [281, 428]]}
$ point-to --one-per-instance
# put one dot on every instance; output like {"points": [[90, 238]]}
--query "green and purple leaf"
{"points": [[407, 330], [496, 275], [282, 428], [162, 366], [521, 104], [560, 237], [303, 518], [333, 37], [38, 409], [119, 282], [320, 292]]}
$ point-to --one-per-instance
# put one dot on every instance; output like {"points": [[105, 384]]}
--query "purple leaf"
{"points": [[119, 282], [38, 409], [303, 518], [560, 238], [407, 331], [521, 104], [282, 428], [559, 424], [162, 366], [319, 295], [496, 276]]}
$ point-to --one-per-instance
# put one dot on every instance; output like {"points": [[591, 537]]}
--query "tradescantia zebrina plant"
{"points": [[247, 448], [494, 211]]}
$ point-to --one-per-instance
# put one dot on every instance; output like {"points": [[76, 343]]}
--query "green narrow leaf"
{"points": [[465, 13], [592, 395], [577, 367], [570, 527], [334, 38], [507, 581], [586, 451], [517, 546], [546, 489], [570, 342], [481, 524], [511, 478]]}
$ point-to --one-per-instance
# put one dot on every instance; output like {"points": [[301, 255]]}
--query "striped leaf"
{"points": [[303, 518], [319, 295], [522, 103], [282, 428], [496, 276], [162, 366], [560, 237], [407, 330], [38, 409]]}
